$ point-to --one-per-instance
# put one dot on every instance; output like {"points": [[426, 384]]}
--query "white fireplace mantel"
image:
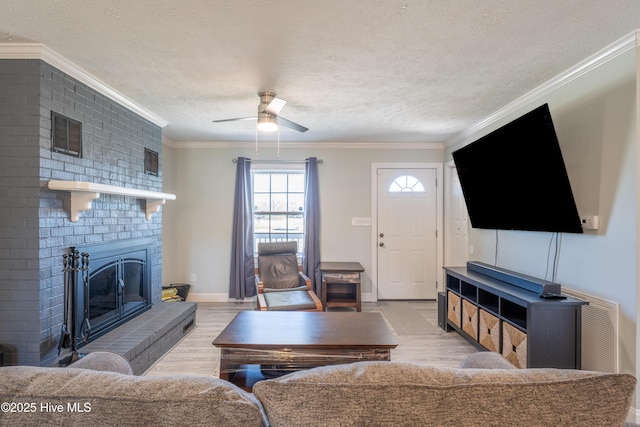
{"points": [[84, 193]]}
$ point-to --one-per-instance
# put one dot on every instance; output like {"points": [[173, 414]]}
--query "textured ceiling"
{"points": [[351, 71]]}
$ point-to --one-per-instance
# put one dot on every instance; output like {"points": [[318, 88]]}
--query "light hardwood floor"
{"points": [[414, 323]]}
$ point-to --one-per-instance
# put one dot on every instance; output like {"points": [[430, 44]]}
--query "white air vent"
{"points": [[600, 332]]}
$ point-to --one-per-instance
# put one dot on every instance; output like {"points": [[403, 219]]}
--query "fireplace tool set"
{"points": [[75, 264]]}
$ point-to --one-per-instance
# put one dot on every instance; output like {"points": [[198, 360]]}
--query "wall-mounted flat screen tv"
{"points": [[515, 178]]}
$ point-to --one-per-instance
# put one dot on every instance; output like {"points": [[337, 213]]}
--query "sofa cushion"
{"points": [[486, 360], [385, 393], [108, 398], [104, 361]]}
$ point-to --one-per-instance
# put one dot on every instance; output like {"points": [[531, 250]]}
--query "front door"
{"points": [[407, 233]]}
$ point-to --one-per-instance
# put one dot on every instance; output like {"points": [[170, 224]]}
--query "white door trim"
{"points": [[374, 220], [449, 167], [449, 171]]}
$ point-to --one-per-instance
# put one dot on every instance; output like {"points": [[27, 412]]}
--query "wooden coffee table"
{"points": [[263, 344]]}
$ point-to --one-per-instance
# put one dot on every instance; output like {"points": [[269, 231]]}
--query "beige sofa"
{"points": [[484, 391]]}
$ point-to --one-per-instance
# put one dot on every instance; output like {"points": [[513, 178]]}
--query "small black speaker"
{"points": [[442, 311]]}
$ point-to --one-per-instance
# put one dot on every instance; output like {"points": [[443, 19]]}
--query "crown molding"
{"points": [[314, 145], [612, 51], [42, 52]]}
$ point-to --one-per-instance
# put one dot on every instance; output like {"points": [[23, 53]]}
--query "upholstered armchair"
{"points": [[281, 284]]}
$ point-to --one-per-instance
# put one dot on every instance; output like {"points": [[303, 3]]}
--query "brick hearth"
{"points": [[147, 337]]}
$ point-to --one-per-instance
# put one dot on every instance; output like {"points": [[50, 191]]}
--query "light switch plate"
{"points": [[361, 222]]}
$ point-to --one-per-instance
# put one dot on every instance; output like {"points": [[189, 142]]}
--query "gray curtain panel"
{"points": [[311, 256], [242, 282]]}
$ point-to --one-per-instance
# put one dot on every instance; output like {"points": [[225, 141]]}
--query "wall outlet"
{"points": [[193, 278], [589, 222]]}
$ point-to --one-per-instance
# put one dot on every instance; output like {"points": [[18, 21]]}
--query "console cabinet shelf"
{"points": [[508, 316]]}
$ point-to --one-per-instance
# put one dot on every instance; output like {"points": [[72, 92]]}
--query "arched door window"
{"points": [[406, 183]]}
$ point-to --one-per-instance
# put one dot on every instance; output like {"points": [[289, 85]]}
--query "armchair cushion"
{"points": [[273, 248], [297, 288], [291, 300], [281, 285], [279, 271]]}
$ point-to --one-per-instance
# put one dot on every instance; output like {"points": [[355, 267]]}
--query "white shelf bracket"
{"points": [[80, 202], [153, 206]]}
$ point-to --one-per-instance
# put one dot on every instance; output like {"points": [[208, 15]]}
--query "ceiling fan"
{"points": [[268, 115]]}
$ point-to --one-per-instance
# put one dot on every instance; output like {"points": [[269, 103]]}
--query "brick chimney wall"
{"points": [[35, 227]]}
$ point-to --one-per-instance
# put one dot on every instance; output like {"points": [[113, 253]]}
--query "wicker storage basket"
{"points": [[453, 308], [470, 319], [514, 345], [489, 331]]}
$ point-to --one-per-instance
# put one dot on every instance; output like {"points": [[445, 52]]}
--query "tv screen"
{"points": [[515, 179]]}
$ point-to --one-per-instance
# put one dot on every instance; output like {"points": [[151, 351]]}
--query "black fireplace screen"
{"points": [[108, 284], [116, 288]]}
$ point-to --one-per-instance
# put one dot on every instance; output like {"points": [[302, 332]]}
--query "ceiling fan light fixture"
{"points": [[267, 122], [269, 119]]}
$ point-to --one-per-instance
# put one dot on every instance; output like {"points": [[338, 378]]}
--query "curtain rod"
{"points": [[320, 161]]}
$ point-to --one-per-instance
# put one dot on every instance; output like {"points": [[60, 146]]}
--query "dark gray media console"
{"points": [[502, 311]]}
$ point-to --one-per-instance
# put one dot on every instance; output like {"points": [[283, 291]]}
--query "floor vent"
{"points": [[188, 326], [600, 332]]}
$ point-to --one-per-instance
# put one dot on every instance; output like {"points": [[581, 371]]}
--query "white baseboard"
{"points": [[368, 297]]}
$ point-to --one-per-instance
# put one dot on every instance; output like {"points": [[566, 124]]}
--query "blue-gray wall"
{"points": [[35, 228]]}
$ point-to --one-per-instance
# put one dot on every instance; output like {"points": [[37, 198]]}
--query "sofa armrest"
{"points": [[104, 361], [486, 360]]}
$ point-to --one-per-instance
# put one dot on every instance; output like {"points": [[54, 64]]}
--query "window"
{"points": [[278, 207], [66, 135], [406, 183]]}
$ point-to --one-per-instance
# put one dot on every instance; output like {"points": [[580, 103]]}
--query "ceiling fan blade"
{"points": [[236, 119], [275, 106], [291, 125]]}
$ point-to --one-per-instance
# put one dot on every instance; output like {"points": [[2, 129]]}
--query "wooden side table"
{"points": [[341, 284]]}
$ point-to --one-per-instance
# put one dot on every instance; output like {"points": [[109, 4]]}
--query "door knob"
{"points": [[381, 244], [381, 234]]}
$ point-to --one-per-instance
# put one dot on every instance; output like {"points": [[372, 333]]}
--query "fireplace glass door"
{"points": [[114, 289], [132, 283]]}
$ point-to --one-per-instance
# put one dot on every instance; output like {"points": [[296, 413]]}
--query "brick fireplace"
{"points": [[35, 225], [107, 285]]}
